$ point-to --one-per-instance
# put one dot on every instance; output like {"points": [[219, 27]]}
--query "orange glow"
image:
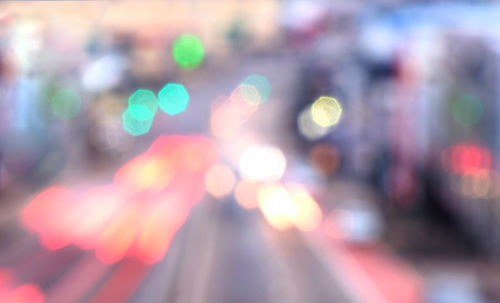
{"points": [[480, 184], [166, 160], [145, 232], [277, 206], [145, 172], [219, 180], [155, 174], [325, 158], [245, 194], [157, 232], [308, 212], [292, 205], [139, 214], [167, 157], [119, 235]]}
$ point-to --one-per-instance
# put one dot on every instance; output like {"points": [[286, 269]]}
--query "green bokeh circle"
{"points": [[188, 51], [66, 104]]}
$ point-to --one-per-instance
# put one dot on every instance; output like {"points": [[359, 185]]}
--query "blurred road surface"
{"points": [[221, 254]]}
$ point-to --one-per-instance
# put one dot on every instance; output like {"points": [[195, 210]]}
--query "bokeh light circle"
{"points": [[144, 97], [173, 98], [244, 101], [258, 83], [66, 104], [326, 111], [467, 110], [188, 51], [245, 194], [250, 94], [262, 163], [137, 119], [219, 180], [308, 128], [325, 158]]}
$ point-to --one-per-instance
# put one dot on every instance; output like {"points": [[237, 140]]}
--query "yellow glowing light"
{"points": [[219, 180], [155, 174], [309, 214], [262, 163], [326, 111], [147, 172], [480, 184], [277, 206]]}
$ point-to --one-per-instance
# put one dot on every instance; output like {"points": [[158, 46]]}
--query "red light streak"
{"points": [[139, 213]]}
